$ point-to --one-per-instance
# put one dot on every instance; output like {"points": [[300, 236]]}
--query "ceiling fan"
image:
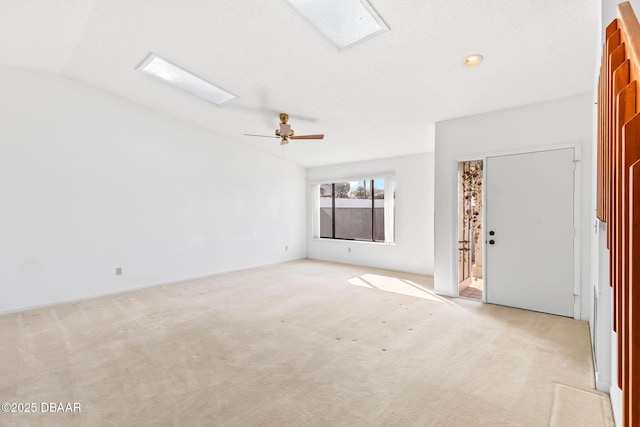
{"points": [[285, 133]]}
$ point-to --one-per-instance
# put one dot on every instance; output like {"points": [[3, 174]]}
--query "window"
{"points": [[357, 210]]}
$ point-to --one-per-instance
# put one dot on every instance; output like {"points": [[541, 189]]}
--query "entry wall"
{"points": [[564, 121]]}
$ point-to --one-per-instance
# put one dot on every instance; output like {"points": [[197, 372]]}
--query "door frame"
{"points": [[577, 223]]}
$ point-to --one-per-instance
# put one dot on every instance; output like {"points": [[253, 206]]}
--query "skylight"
{"points": [[172, 74], [343, 22]]}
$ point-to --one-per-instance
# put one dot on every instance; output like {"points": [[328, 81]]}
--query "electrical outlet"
{"points": [[118, 271]]}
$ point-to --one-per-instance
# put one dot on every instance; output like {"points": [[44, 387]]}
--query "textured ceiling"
{"points": [[377, 99]]}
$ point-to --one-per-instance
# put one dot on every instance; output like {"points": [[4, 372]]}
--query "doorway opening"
{"points": [[470, 248]]}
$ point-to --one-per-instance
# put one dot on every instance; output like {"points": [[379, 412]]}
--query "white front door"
{"points": [[530, 231]]}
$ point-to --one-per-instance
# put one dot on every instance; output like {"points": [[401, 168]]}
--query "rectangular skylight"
{"points": [[164, 70], [343, 22]]}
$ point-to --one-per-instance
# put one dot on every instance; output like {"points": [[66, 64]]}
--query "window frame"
{"points": [[388, 222]]}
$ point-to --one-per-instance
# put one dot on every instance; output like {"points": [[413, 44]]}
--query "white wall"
{"points": [[90, 182], [413, 250], [564, 121]]}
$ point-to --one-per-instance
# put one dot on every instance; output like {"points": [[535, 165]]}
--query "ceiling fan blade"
{"points": [[319, 136], [262, 136]]}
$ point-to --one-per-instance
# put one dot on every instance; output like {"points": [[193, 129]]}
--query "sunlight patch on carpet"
{"points": [[398, 286]]}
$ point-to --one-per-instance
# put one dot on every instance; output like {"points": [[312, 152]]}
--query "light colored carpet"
{"points": [[568, 404], [298, 344]]}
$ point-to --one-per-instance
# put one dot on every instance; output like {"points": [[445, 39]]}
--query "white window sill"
{"points": [[353, 242]]}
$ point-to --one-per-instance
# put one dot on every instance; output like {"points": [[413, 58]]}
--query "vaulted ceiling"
{"points": [[379, 98]]}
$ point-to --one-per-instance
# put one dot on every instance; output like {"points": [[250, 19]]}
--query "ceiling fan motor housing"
{"points": [[285, 130]]}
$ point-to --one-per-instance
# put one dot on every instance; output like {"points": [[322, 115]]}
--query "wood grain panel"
{"points": [[630, 152], [625, 110], [599, 156], [630, 34], [618, 200], [611, 28], [602, 110], [633, 390], [603, 124], [618, 79], [612, 43]]}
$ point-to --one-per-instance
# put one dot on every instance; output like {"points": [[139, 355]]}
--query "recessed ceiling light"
{"points": [[343, 22], [472, 60], [172, 74]]}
